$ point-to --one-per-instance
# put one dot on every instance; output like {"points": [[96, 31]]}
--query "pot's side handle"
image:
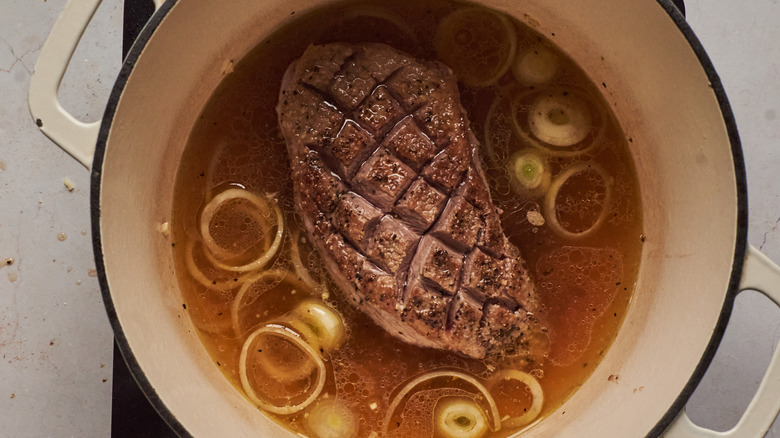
{"points": [[763, 275], [74, 136]]}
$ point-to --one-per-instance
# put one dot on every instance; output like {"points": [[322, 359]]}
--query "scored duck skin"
{"points": [[388, 181]]}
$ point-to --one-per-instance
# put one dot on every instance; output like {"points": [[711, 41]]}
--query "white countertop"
{"points": [[55, 339]]}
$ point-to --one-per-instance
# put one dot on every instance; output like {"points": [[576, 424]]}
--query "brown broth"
{"points": [[236, 142]]}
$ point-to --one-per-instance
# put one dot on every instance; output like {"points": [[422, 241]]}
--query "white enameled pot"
{"points": [[666, 96]]}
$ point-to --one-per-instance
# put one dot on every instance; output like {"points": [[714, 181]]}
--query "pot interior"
{"points": [[660, 94]]}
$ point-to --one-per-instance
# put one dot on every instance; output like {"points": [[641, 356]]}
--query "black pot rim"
{"points": [[740, 247]]}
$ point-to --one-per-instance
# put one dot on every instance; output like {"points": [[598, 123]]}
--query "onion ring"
{"points": [[435, 374], [200, 277], [295, 256], [555, 188], [536, 392], [296, 339], [281, 276], [593, 139], [211, 245]]}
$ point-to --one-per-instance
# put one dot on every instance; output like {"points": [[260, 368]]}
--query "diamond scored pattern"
{"points": [[396, 171]]}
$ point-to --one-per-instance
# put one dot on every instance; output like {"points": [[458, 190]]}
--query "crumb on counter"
{"points": [[69, 184]]}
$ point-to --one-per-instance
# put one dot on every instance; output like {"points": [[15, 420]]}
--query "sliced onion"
{"points": [[584, 130], [285, 373], [297, 340], [537, 395], [529, 173], [332, 419], [211, 245], [536, 65], [560, 119], [278, 275], [552, 196], [436, 374], [459, 417], [319, 323], [295, 256], [200, 277], [461, 43], [220, 148], [210, 210]]}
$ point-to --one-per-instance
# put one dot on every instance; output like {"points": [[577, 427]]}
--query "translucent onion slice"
{"points": [[536, 392], [220, 148], [285, 373], [207, 215], [552, 196], [459, 417], [332, 419], [276, 275], [320, 324], [462, 44], [529, 173], [300, 269], [436, 374], [211, 245], [277, 330], [536, 65], [200, 277], [552, 121], [560, 119]]}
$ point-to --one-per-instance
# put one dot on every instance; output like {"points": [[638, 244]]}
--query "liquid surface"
{"points": [[585, 282]]}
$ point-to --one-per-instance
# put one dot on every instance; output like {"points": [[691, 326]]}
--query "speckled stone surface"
{"points": [[55, 340]]}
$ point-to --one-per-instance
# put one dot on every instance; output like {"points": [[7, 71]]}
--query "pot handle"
{"points": [[763, 275], [75, 137]]}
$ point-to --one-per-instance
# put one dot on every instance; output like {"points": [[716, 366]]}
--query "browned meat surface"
{"points": [[390, 186]]}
